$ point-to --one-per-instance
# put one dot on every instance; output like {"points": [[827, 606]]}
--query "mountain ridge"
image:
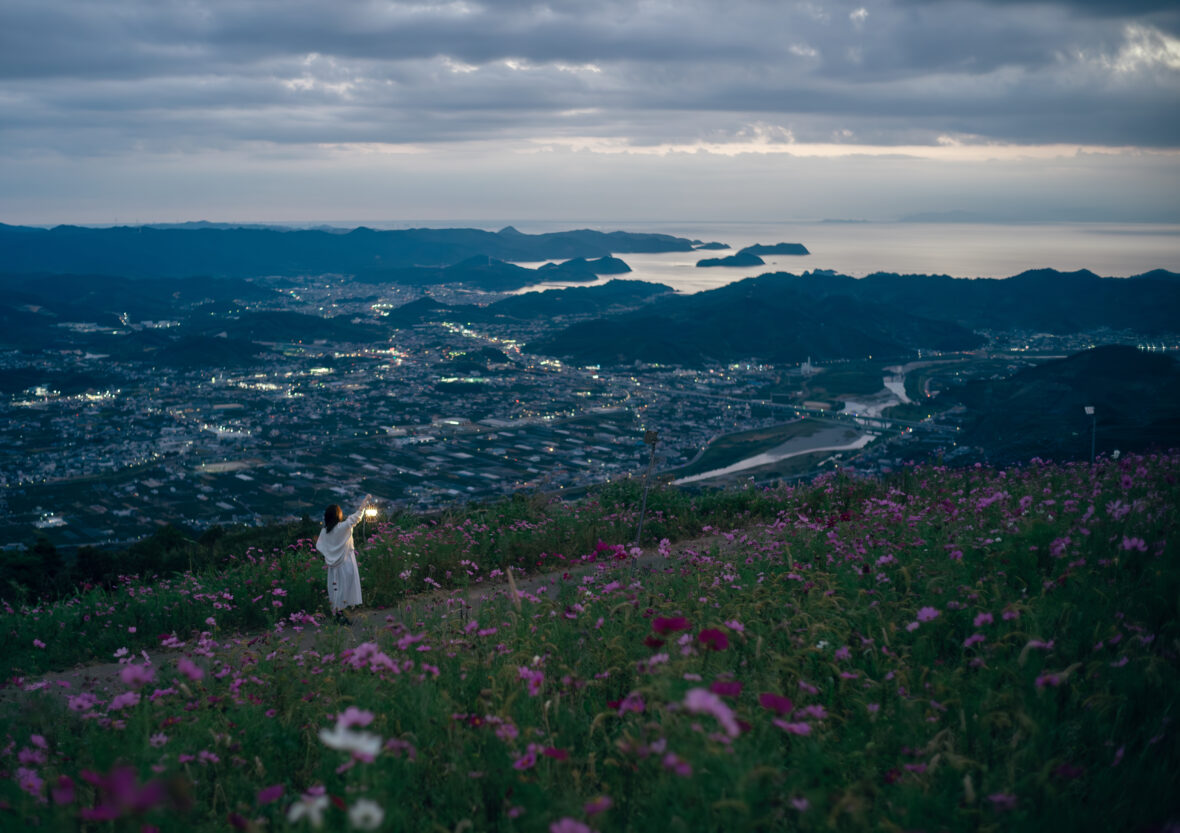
{"points": [[147, 251]]}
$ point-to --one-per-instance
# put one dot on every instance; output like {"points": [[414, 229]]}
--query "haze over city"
{"points": [[145, 111]]}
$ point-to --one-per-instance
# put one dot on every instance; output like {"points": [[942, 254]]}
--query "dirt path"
{"points": [[367, 623]]}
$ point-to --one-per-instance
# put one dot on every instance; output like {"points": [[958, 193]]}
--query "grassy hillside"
{"points": [[950, 650]]}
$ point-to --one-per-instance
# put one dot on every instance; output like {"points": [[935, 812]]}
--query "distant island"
{"points": [[712, 247], [776, 249], [601, 266], [742, 258], [489, 274]]}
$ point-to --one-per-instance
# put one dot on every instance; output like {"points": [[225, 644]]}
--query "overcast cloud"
{"points": [[300, 89]]}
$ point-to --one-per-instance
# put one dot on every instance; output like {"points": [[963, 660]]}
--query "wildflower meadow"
{"points": [[972, 649]]}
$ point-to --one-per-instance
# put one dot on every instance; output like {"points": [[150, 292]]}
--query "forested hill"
{"points": [[764, 318], [144, 251], [1039, 299], [1040, 411], [786, 317]]}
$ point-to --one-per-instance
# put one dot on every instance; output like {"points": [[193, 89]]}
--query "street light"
{"points": [[1093, 429]]}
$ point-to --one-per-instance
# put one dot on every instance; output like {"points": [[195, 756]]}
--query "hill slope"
{"points": [[950, 650], [764, 318], [1039, 411]]}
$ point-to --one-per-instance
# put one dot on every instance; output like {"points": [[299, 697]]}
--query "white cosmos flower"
{"points": [[310, 806], [366, 814], [364, 745]]}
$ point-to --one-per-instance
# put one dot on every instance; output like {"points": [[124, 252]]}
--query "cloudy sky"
{"points": [[305, 110]]}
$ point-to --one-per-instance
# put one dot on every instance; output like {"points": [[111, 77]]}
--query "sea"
{"points": [[855, 248]]}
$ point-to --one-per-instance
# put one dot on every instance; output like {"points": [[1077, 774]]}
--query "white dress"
{"points": [[344, 580]]}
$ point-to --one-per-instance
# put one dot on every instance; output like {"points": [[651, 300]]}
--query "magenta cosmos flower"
{"points": [[669, 624], [776, 703], [713, 639]]}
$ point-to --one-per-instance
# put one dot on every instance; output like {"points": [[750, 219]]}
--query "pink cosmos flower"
{"points": [[82, 702], [268, 795], [843, 653], [352, 716], [119, 794], [137, 676], [597, 805], [122, 701], [793, 728], [678, 765], [189, 669], [633, 702], [703, 701], [37, 643], [63, 792], [399, 746], [568, 825], [29, 781], [526, 761], [983, 619], [928, 614], [973, 639], [31, 757], [534, 679]]}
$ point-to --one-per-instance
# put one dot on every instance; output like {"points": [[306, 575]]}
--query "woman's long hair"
{"points": [[332, 516]]}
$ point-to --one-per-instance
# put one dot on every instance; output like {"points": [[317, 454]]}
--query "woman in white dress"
{"points": [[335, 544]]}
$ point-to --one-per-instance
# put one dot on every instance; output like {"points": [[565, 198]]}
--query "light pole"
{"points": [[1093, 429]]}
